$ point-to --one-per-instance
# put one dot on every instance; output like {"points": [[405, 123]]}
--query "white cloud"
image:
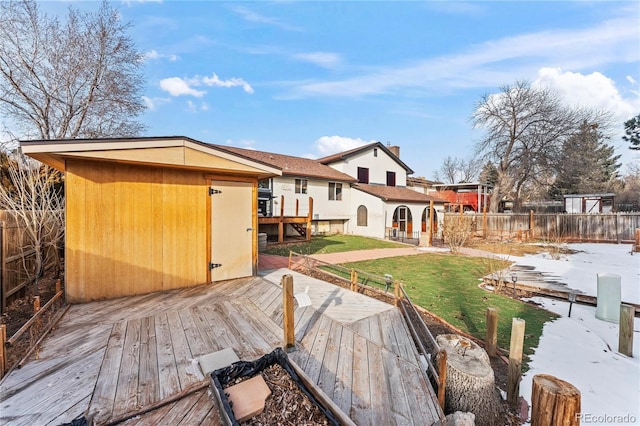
{"points": [[178, 87], [631, 80], [252, 16], [494, 62], [323, 59], [327, 145], [154, 55], [154, 103], [232, 82], [593, 90]]}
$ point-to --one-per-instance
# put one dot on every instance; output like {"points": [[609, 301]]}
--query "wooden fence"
{"points": [[611, 227], [15, 261]]}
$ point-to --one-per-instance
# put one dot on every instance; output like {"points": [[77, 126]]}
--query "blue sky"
{"points": [[313, 78]]}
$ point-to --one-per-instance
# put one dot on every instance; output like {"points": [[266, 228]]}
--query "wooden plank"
{"points": [[101, 405], [389, 341], [268, 330], [181, 350], [208, 330], [380, 398], [327, 379], [243, 325], [267, 296], [198, 411], [397, 402], [180, 409], [148, 382], [405, 344], [216, 326], [318, 349], [167, 368], [74, 412], [127, 389], [192, 332], [420, 395], [344, 371], [306, 321], [361, 412]]}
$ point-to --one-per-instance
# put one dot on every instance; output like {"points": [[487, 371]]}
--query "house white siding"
{"points": [[323, 208], [378, 167], [376, 216]]}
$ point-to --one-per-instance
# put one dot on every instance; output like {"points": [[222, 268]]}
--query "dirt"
{"points": [[287, 404], [22, 309]]}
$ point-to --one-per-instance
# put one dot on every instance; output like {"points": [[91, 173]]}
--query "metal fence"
{"points": [[403, 236]]}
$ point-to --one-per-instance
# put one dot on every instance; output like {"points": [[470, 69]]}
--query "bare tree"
{"points": [[525, 127], [35, 199], [458, 170], [80, 78]]}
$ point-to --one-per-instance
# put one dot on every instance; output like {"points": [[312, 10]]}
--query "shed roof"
{"points": [[171, 151], [355, 151], [292, 166], [397, 193]]}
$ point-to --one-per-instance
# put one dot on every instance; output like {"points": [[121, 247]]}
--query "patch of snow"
{"points": [[582, 349]]}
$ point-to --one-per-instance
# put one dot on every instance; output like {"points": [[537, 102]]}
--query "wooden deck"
{"points": [[112, 359]]}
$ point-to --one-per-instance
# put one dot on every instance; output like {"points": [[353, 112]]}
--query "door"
{"points": [[231, 230]]}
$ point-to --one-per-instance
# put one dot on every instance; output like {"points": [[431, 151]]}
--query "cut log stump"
{"points": [[470, 380], [554, 402]]}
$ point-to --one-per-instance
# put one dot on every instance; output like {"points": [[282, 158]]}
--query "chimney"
{"points": [[395, 149]]}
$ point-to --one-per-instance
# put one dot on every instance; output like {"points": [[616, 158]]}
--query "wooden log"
{"points": [[625, 339], [58, 285], [442, 377], [36, 304], [470, 381], [515, 361], [491, 337], [287, 310], [554, 402]]}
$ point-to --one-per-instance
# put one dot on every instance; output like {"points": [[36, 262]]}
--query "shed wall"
{"points": [[133, 229]]}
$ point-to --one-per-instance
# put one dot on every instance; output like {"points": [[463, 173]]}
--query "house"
{"points": [[382, 205], [151, 214], [284, 198], [362, 191]]}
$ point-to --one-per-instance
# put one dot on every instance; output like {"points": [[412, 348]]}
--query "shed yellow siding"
{"points": [[134, 229]]}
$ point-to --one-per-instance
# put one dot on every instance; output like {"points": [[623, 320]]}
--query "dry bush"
{"points": [[456, 231]]}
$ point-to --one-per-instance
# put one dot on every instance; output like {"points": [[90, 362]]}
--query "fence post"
{"points": [[3, 350], [430, 235], [36, 304], [532, 225], [3, 266], [554, 402], [484, 222], [287, 309], [442, 377], [58, 286], [397, 293], [625, 340], [491, 338], [515, 361]]}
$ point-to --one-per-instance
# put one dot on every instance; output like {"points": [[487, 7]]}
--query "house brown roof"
{"points": [[346, 154], [397, 193], [291, 166]]}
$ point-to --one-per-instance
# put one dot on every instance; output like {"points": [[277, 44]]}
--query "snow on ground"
{"points": [[579, 271], [582, 349]]}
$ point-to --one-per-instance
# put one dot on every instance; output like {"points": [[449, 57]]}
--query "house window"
{"points": [[363, 175], [375, 152], [301, 186], [362, 216], [391, 178], [335, 191]]}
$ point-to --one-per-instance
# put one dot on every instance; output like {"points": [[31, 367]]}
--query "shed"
{"points": [[589, 203], [153, 214]]}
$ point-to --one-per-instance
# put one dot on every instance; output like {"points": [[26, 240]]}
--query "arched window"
{"points": [[362, 216]]}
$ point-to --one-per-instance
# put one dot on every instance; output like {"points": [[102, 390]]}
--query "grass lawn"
{"points": [[447, 285], [332, 244]]}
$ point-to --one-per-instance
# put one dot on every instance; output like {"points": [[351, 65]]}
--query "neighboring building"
{"points": [[469, 197], [589, 203], [421, 184]]}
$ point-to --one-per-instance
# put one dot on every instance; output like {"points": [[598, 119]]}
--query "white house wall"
{"points": [[378, 167], [323, 208], [375, 215]]}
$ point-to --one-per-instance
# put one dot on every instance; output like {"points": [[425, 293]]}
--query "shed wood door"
{"points": [[231, 230]]}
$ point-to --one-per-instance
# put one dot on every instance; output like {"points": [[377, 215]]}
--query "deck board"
{"points": [[116, 357]]}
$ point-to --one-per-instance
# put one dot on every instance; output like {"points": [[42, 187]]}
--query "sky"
{"points": [[313, 78]]}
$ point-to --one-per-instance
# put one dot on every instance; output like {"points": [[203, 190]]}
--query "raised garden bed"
{"points": [[293, 399]]}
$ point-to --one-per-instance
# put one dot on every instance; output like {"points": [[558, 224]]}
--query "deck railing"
{"points": [[364, 282]]}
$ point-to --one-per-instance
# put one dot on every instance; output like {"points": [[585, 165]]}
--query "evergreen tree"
{"points": [[488, 174], [587, 164], [632, 132]]}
